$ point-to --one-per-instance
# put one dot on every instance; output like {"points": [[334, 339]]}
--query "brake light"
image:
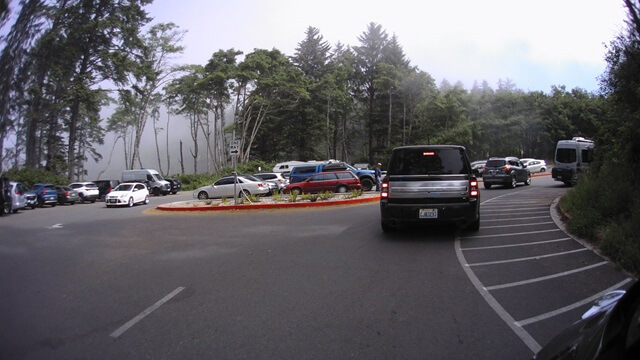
{"points": [[506, 168], [473, 188], [428, 153], [385, 190], [484, 169], [66, 193]]}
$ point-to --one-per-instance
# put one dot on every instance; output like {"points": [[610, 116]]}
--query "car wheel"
{"points": [[367, 184], [388, 228], [244, 192], [40, 203], [487, 186], [342, 189], [528, 182], [53, 205], [513, 182], [295, 191], [33, 206], [567, 183], [93, 201], [130, 203], [543, 170], [146, 199], [174, 192], [202, 195], [15, 211], [474, 226], [73, 203]]}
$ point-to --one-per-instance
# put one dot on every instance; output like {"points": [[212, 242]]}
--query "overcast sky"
{"points": [[537, 44]]}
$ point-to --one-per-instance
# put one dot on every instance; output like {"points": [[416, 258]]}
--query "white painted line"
{"points": [[528, 258], [530, 281], [510, 204], [534, 319], [528, 213], [518, 209], [515, 225], [56, 226], [522, 218], [493, 303], [143, 314], [515, 245], [520, 233]]}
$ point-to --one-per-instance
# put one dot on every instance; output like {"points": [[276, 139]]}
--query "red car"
{"points": [[337, 181]]}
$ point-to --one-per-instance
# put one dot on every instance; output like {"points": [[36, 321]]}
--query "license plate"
{"points": [[113, 200], [428, 214]]}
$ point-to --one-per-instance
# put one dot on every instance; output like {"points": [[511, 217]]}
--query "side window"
{"points": [[225, 181], [586, 155], [514, 163], [149, 177]]}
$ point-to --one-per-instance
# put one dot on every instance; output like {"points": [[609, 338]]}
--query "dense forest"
{"points": [[63, 61]]}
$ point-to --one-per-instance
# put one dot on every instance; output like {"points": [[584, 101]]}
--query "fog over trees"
{"points": [[64, 61]]}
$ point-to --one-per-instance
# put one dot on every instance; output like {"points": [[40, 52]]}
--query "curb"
{"points": [[163, 207]]}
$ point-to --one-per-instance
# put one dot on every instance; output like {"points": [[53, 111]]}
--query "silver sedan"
{"points": [[224, 188]]}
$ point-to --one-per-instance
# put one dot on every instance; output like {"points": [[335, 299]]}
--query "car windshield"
{"points": [[425, 161], [495, 163], [124, 187]]}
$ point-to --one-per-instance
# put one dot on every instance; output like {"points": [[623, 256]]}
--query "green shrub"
{"points": [[310, 197], [30, 176]]}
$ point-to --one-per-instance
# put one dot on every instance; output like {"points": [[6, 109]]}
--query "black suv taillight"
{"points": [[473, 188], [384, 193]]}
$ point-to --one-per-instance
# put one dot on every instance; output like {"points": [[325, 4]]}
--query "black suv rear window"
{"points": [[426, 161], [496, 163]]}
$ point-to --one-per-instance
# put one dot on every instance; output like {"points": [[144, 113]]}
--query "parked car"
{"points": [[535, 166], [18, 194], [105, 187], [174, 184], [46, 194], [88, 191], [477, 167], [429, 183], [31, 197], [507, 171], [301, 173], [610, 329], [5, 197], [273, 178], [155, 182], [224, 187], [336, 181], [128, 194], [67, 195]]}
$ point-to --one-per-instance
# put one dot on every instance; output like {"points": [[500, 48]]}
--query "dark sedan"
{"points": [[67, 195]]}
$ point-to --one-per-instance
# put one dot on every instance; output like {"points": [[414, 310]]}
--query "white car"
{"points": [[128, 194], [223, 188], [87, 191], [535, 165], [275, 180]]}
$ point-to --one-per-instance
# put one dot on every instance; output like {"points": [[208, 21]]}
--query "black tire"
{"points": [[513, 182], [342, 189], [474, 226], [295, 191], [40, 203], [15, 211], [130, 203], [174, 192], [528, 181], [33, 207], [388, 228], [367, 184], [487, 186], [53, 205], [73, 203], [543, 170], [93, 201], [244, 192], [202, 195], [567, 183], [156, 192], [146, 199]]}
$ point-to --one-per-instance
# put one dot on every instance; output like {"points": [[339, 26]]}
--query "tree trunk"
{"points": [[181, 159], [155, 118], [167, 144], [390, 120]]}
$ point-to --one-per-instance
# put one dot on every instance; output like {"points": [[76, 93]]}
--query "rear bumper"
{"points": [[399, 214], [496, 179], [564, 175]]}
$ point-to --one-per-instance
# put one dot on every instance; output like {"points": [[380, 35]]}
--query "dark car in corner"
{"points": [[105, 187], [507, 171], [174, 184], [67, 195], [428, 184]]}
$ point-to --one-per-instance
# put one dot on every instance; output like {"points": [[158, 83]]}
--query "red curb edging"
{"points": [[268, 206]]}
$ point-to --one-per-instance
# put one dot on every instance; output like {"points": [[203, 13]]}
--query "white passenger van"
{"points": [[572, 159], [155, 182], [286, 167]]}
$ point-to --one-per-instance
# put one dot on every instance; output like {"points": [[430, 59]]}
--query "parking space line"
{"points": [[572, 306], [528, 213], [508, 204], [527, 258], [522, 218], [143, 314], [515, 245], [531, 343], [520, 233], [515, 225], [519, 209], [530, 281]]}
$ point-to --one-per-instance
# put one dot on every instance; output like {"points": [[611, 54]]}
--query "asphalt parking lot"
{"points": [[521, 255]]}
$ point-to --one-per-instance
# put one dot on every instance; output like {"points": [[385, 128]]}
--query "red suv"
{"points": [[337, 181]]}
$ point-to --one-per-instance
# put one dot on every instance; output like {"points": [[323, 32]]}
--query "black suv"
{"points": [[507, 171], [174, 184], [429, 183], [105, 187]]}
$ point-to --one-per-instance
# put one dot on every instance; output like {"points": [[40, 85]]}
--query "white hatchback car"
{"points": [[223, 188], [535, 165], [128, 194]]}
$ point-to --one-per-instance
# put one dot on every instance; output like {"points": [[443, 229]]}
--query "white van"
{"points": [[286, 167], [155, 182], [572, 159]]}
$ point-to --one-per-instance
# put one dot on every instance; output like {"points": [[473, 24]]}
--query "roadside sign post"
{"points": [[234, 150]]}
